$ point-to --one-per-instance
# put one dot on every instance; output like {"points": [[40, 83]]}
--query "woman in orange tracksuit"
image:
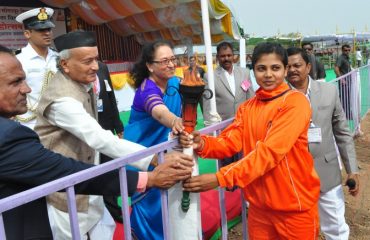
{"points": [[276, 173]]}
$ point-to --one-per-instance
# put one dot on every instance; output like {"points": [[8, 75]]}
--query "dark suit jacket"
{"points": [[317, 68], [109, 118], [25, 163]]}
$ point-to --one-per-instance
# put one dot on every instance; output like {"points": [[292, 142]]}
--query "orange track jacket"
{"points": [[276, 172]]}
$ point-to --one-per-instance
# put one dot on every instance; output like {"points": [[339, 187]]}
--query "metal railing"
{"points": [[67, 183], [354, 90]]}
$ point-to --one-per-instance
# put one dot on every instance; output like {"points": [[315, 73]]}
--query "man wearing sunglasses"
{"points": [[37, 58], [317, 68], [342, 67]]}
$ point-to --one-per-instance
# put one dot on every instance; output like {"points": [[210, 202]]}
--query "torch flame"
{"points": [[192, 78]]}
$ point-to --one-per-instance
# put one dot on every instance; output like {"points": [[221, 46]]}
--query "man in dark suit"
{"points": [[25, 163], [108, 118], [317, 71], [328, 128], [342, 67], [108, 115]]}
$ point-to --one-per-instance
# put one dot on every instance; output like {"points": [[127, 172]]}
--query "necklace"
{"points": [[33, 107]]}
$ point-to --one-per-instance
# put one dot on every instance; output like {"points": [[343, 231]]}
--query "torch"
{"points": [[191, 90]]}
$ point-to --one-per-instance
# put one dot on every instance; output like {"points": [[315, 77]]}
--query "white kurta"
{"points": [[69, 114], [35, 68]]}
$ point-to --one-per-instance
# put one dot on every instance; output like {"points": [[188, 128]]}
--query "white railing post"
{"points": [[72, 211]]}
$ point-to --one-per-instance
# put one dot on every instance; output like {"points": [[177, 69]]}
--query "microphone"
{"points": [[351, 183]]}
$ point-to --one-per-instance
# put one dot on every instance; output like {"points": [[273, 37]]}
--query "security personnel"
{"points": [[37, 58]]}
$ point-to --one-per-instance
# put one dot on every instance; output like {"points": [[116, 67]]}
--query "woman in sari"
{"points": [[155, 112]]}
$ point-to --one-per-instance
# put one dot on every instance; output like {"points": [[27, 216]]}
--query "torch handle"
{"points": [[190, 97], [185, 200]]}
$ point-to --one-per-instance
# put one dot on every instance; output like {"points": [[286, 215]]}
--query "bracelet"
{"points": [[154, 161]]}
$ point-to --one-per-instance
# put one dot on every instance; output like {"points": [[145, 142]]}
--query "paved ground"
{"points": [[358, 208]]}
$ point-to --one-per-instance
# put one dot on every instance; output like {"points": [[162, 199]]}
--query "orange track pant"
{"points": [[263, 225]]}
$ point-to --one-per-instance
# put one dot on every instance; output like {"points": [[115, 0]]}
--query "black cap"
{"points": [[37, 18], [75, 40]]}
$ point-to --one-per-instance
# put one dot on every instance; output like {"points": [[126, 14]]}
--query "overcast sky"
{"points": [[309, 17]]}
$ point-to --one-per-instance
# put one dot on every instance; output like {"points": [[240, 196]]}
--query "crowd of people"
{"points": [[65, 121], [280, 150]]}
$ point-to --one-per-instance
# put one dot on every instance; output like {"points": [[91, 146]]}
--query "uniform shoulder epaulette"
{"points": [[18, 51]]}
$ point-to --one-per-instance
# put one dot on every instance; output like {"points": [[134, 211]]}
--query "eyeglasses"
{"points": [[307, 49], [166, 62]]}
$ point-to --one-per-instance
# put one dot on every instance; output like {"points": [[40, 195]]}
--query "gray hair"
{"points": [[64, 54]]}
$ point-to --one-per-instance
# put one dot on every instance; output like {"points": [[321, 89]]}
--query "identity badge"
{"points": [[314, 135], [99, 105]]}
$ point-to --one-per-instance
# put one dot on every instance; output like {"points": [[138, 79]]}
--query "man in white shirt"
{"points": [[358, 57], [232, 85], [37, 58], [66, 123], [328, 128]]}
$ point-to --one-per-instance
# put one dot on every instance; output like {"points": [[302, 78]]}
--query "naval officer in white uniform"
{"points": [[37, 58]]}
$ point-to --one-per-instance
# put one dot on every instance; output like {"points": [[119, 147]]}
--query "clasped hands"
{"points": [[202, 182], [178, 167]]}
